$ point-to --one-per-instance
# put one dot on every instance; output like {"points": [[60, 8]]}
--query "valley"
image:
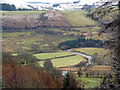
{"points": [[39, 34]]}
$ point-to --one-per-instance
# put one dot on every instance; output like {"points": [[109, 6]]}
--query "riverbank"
{"points": [[89, 58]]}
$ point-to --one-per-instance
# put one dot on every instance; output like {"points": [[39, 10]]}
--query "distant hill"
{"points": [[33, 19], [51, 18], [38, 2]]}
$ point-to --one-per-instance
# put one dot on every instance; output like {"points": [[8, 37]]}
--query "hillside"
{"points": [[78, 18], [51, 18], [30, 19], [15, 42]]}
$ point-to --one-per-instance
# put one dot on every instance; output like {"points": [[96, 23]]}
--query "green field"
{"points": [[21, 12], [91, 51], [89, 82], [60, 62], [77, 18], [100, 56], [51, 55], [68, 61]]}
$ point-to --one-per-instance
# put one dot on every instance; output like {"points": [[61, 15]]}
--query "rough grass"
{"points": [[89, 30], [89, 82], [15, 34], [77, 18], [17, 40], [31, 41], [64, 62], [21, 12]]}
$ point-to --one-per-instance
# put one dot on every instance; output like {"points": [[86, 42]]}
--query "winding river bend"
{"points": [[89, 58]]}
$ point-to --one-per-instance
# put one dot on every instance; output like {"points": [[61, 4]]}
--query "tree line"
{"points": [[7, 7], [80, 42]]}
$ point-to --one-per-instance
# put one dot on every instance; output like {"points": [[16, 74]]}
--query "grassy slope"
{"points": [[76, 17], [14, 40], [24, 40]]}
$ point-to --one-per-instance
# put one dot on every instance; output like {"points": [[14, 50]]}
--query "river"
{"points": [[89, 58]]}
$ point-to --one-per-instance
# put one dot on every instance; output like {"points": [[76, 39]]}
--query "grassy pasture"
{"points": [[62, 62], [76, 17], [100, 56], [21, 12], [91, 51], [68, 61], [51, 55], [89, 82]]}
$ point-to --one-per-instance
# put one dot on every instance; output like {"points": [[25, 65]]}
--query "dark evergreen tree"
{"points": [[87, 74], [66, 82], [13, 8], [70, 82], [80, 73]]}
